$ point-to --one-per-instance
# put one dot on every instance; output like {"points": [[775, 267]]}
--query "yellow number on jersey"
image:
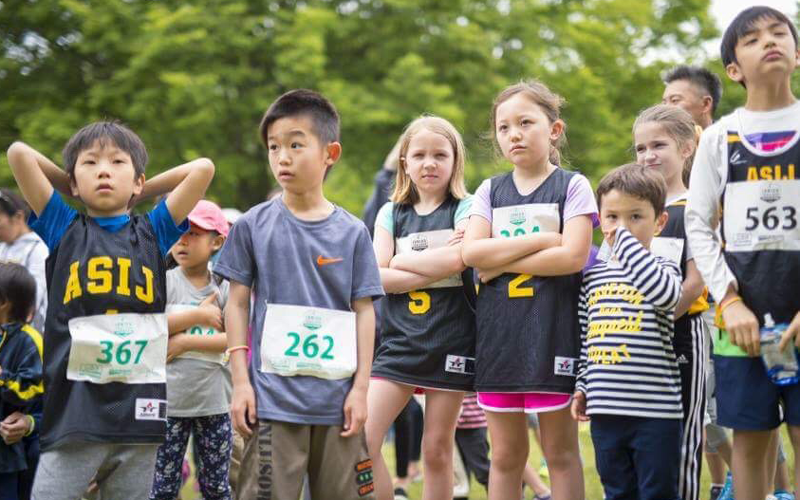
{"points": [[517, 291], [420, 302]]}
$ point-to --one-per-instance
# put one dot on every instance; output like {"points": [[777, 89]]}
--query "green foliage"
{"points": [[194, 77]]}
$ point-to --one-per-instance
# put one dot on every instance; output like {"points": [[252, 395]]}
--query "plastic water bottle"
{"points": [[782, 366]]}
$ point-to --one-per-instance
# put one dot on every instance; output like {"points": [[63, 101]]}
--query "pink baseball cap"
{"points": [[207, 215]]}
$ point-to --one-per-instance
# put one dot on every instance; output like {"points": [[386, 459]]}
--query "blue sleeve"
{"points": [[463, 210], [167, 233], [236, 259], [366, 276], [385, 218], [53, 222]]}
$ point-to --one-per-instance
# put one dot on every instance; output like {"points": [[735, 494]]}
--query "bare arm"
{"points": [[480, 250], [691, 288], [566, 257], [438, 263], [395, 280], [182, 342], [36, 176], [355, 405], [237, 314], [206, 314], [186, 185]]}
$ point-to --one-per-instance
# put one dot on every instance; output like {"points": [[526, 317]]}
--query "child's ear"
{"points": [[73, 187], [333, 151], [556, 129], [138, 184], [661, 221], [219, 240], [734, 72]]}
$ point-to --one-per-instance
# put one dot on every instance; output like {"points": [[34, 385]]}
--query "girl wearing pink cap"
{"points": [[198, 379]]}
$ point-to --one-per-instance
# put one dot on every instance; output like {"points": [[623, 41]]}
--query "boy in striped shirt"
{"points": [[628, 381]]}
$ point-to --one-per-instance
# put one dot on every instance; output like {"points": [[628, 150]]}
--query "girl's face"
{"points": [[429, 162], [11, 227], [196, 247], [524, 131], [657, 149]]}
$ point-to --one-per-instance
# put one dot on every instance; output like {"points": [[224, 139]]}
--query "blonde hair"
{"points": [[404, 189], [550, 103], [678, 124]]}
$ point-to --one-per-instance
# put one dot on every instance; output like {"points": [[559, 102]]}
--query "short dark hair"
{"points": [[105, 131], [700, 77], [18, 287], [323, 114], [742, 23], [11, 203], [635, 180]]}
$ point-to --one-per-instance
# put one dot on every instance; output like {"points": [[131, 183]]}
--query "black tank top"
{"points": [[761, 211], [428, 336], [528, 332], [84, 411]]}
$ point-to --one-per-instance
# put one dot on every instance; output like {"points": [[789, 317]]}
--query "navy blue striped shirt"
{"points": [[627, 364]]}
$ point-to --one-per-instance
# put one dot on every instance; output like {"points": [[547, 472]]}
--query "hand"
{"points": [[578, 407], [610, 234], [793, 332], [742, 327], [456, 238], [355, 412], [210, 313], [14, 427], [487, 275], [176, 345], [243, 408]]}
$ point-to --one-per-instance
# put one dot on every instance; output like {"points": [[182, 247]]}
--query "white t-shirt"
{"points": [[31, 252]]}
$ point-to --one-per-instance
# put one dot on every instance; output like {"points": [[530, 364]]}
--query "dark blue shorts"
{"points": [[748, 400]]}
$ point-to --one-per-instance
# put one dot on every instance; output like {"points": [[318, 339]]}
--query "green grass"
{"points": [[594, 490]]}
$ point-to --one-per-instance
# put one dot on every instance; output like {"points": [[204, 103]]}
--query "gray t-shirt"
{"points": [[195, 387], [285, 260]]}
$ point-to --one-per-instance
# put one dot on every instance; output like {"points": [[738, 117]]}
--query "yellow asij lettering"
{"points": [[99, 275], [146, 294], [771, 172], [73, 289], [123, 287]]}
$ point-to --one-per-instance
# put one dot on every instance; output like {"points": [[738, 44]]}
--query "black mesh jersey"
{"points": [[428, 336], [528, 332], [134, 271], [761, 210]]}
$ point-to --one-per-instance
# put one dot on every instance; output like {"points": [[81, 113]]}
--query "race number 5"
{"points": [[420, 302], [515, 290]]}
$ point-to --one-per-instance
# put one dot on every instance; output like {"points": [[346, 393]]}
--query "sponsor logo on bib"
{"points": [[419, 243], [517, 217], [771, 193], [151, 409], [123, 328], [565, 366], [312, 321]]}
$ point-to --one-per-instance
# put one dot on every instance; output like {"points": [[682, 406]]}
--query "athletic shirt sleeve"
{"points": [[53, 222], [167, 232], [481, 204], [236, 260], [580, 200], [366, 276], [385, 218], [463, 210]]}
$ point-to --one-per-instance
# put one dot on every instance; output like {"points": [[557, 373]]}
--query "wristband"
{"points": [[237, 348], [725, 303], [33, 425]]}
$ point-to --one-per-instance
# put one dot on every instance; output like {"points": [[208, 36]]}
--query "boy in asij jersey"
{"points": [[746, 170], [106, 332], [302, 401]]}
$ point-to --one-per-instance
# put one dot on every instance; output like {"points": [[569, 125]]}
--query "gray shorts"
{"points": [[122, 471]]}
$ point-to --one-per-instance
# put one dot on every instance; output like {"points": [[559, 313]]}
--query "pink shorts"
{"points": [[528, 402]]}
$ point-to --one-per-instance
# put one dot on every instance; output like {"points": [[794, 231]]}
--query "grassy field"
{"points": [[594, 490]]}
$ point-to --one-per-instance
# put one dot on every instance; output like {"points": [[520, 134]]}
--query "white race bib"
{"points": [[668, 248], [762, 215], [127, 348], [518, 220], [417, 242], [302, 340], [214, 357]]}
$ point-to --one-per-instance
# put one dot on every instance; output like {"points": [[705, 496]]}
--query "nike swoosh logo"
{"points": [[322, 261]]}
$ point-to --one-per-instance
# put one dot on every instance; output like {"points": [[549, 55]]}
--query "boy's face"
{"points": [[297, 158], [637, 215], [767, 50], [105, 180]]}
